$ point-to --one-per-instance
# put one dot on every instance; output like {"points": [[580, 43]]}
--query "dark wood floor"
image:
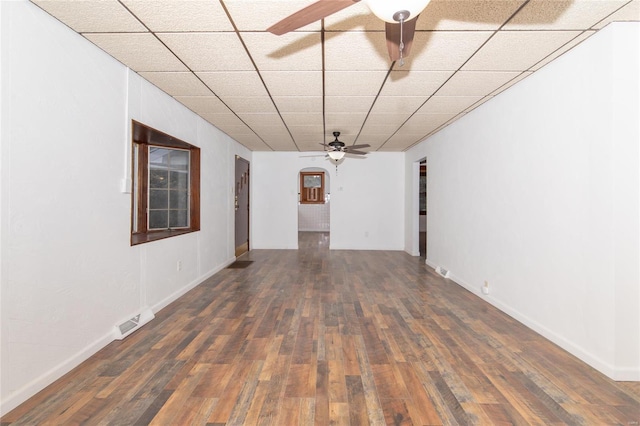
{"points": [[313, 336]]}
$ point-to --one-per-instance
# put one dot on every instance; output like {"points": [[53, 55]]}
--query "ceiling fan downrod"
{"points": [[401, 16]]}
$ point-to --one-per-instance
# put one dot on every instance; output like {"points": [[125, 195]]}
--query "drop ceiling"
{"points": [[290, 92]]}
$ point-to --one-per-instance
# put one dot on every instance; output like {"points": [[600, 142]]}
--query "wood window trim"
{"points": [[144, 136], [318, 197]]}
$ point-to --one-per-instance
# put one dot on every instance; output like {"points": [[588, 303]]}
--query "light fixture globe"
{"points": [[336, 155], [387, 10]]}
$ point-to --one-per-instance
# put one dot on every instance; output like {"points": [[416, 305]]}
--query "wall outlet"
{"points": [[485, 288], [179, 265]]}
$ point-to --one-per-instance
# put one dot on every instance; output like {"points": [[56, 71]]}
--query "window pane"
{"points": [[312, 181], [179, 180], [179, 160], [178, 219], [158, 178], [178, 199], [158, 219], [159, 157], [158, 199]]}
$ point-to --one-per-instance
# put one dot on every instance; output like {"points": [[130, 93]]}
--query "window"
{"points": [[166, 186], [311, 188]]}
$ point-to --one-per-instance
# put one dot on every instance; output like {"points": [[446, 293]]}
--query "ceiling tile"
{"points": [[256, 120], [504, 87], [448, 104], [209, 51], [348, 104], [562, 14], [477, 104], [246, 104], [126, 48], [355, 17], [274, 133], [353, 83], [251, 141], [299, 104], [518, 50], [302, 119], [356, 51], [421, 124], [405, 105], [414, 83], [280, 144], [307, 132], [630, 12], [258, 15], [345, 123], [293, 83], [288, 52], [95, 17], [376, 135], [203, 104], [573, 43], [400, 142], [444, 50], [234, 83], [177, 83], [180, 15], [447, 15], [475, 83], [227, 122]]}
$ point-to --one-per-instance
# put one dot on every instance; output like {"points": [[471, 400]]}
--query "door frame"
{"points": [[245, 247]]}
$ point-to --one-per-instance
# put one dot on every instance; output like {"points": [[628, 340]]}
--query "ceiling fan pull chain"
{"points": [[400, 16], [401, 46]]}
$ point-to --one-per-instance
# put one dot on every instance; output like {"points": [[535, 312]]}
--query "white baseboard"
{"points": [[617, 374], [36, 385], [27, 391], [180, 292]]}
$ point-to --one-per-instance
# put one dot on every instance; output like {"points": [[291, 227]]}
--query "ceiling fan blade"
{"points": [[393, 38], [314, 12], [362, 145], [351, 151]]}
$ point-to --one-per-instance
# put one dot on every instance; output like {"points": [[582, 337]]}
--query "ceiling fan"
{"points": [[399, 16], [337, 149]]}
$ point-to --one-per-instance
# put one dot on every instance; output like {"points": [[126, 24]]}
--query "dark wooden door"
{"points": [[241, 200]]}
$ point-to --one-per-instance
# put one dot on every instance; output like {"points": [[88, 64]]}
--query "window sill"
{"points": [[158, 235]]}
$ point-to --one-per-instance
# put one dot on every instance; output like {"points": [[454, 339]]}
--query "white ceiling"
{"points": [[290, 92]]}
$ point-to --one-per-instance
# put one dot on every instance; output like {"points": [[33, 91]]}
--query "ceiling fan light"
{"points": [[336, 155], [385, 9]]}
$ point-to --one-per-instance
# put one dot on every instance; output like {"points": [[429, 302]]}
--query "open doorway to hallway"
{"points": [[422, 227], [313, 208], [241, 206]]}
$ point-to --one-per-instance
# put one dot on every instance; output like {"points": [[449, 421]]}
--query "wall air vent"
{"points": [[127, 327], [442, 271]]}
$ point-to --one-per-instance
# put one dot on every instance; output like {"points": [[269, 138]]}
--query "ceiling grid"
{"points": [[290, 92]]}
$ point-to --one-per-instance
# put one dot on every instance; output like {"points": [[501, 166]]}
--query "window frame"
{"points": [[142, 138], [304, 195]]}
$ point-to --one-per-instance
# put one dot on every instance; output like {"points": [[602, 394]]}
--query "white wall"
{"points": [[68, 271], [537, 192], [367, 200]]}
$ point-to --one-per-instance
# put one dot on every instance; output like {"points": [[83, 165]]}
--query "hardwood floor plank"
{"points": [[322, 337], [357, 404]]}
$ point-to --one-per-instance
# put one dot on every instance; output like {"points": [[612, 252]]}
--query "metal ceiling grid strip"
{"points": [[459, 68], [235, 28], [190, 70]]}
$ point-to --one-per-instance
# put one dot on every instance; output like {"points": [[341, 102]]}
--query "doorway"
{"points": [[241, 205], [422, 220], [313, 208]]}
